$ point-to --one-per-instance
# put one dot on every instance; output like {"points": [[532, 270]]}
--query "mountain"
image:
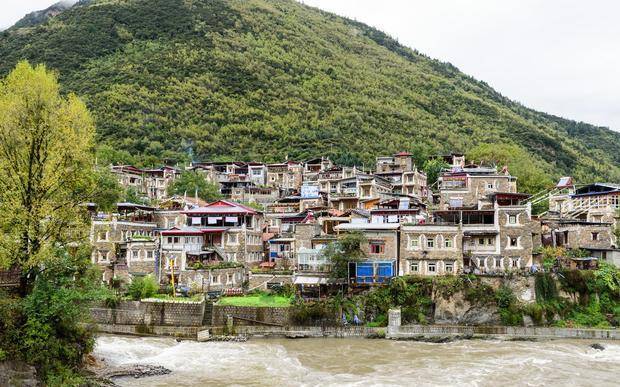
{"points": [[258, 79], [38, 17]]}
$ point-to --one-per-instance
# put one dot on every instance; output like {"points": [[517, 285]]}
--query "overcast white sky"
{"points": [[557, 56]]}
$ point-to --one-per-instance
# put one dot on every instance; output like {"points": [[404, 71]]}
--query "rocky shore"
{"points": [[105, 374]]}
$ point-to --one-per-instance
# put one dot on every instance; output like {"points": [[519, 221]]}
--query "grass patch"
{"points": [[258, 300]]}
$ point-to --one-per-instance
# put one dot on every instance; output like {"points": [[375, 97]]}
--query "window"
{"points": [[481, 262], [595, 236], [103, 236], [481, 241], [490, 241], [490, 186], [449, 267], [430, 243], [415, 267], [377, 247], [432, 267], [134, 254], [512, 219], [448, 243], [149, 254], [230, 279], [514, 262], [514, 242], [413, 242], [498, 262], [169, 240], [103, 255], [232, 238]]}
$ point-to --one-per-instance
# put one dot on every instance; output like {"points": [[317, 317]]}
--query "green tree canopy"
{"points": [[433, 168], [46, 161], [532, 173], [191, 183], [346, 249]]}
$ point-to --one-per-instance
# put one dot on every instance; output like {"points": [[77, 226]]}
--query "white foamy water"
{"points": [[359, 362]]}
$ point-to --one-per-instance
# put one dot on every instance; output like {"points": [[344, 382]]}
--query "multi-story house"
{"points": [[312, 167], [125, 243], [400, 209], [471, 240], [237, 228], [287, 176], [129, 177], [157, 181], [381, 249], [598, 202], [405, 177], [359, 191], [152, 183], [470, 186]]}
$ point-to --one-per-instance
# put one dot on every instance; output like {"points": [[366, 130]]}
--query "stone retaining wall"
{"points": [[397, 331], [150, 313], [411, 331], [309, 332], [144, 330], [241, 315]]}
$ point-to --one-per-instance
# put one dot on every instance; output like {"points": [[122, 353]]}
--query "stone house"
{"points": [[215, 279], [381, 249], [481, 241], [431, 249], [123, 246], [403, 174], [152, 183], [286, 176], [235, 228], [467, 187]]}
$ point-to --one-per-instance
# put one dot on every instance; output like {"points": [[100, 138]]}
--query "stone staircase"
{"points": [[207, 318]]}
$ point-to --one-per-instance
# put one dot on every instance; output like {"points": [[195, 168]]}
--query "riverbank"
{"points": [[408, 332]]}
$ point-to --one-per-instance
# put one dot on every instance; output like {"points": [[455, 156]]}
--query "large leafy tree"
{"points": [[46, 143], [532, 173], [346, 249], [191, 183]]}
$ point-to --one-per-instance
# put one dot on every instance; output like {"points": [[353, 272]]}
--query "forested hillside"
{"points": [[257, 79]]}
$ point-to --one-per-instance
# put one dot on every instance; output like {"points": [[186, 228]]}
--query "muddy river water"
{"points": [[362, 362]]}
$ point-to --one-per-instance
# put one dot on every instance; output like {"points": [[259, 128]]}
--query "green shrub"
{"points": [[545, 288], [143, 287], [504, 297]]}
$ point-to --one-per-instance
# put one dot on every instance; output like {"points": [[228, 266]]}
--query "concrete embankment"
{"points": [[204, 320], [435, 333]]}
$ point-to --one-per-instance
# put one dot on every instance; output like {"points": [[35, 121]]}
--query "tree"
{"points": [[433, 168], [346, 249], [531, 172], [190, 183], [108, 192], [46, 161]]}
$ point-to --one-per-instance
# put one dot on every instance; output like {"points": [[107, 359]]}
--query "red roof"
{"points": [[191, 231], [403, 153], [222, 207]]}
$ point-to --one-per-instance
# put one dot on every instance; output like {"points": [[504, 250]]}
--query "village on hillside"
{"points": [[275, 220]]}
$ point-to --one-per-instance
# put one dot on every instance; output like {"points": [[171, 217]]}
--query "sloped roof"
{"points": [[223, 207]]}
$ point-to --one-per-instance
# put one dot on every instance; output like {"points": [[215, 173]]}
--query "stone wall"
{"points": [[434, 331], [150, 313], [145, 330], [243, 315], [260, 281]]}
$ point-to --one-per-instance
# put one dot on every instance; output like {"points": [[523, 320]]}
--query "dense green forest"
{"points": [[220, 80]]}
